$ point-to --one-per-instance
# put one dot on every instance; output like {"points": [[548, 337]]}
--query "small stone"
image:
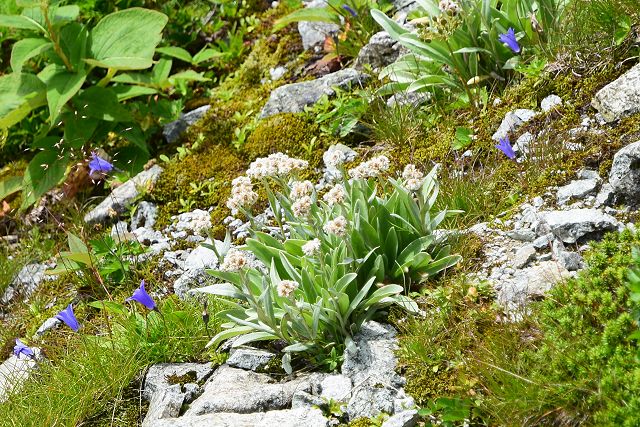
{"points": [[277, 73], [524, 256], [249, 358], [577, 190], [299, 417], [165, 403], [588, 174], [402, 419], [159, 376], [172, 131], [605, 196], [381, 51], [624, 176], [512, 121], [523, 143], [620, 98], [538, 202], [144, 216], [550, 102], [575, 224], [302, 399], [202, 257], [572, 261], [522, 235], [14, 372], [314, 33], [120, 231], [47, 325]]}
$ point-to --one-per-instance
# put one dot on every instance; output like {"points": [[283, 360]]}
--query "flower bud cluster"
{"points": [[242, 194], [413, 178], [371, 168], [277, 164]]}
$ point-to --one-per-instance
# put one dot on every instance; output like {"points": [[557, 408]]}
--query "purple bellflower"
{"points": [[99, 165], [509, 38], [22, 349], [350, 10], [69, 318], [505, 147], [141, 296]]}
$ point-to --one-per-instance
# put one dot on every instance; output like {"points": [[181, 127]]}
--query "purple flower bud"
{"points": [[509, 38], [98, 165], [350, 10], [141, 296], [69, 318], [22, 349], [505, 147]]}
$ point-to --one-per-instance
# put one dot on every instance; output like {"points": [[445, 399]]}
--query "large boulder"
{"points": [[573, 225], [381, 51], [292, 98], [624, 177], [299, 417], [122, 197], [620, 98]]}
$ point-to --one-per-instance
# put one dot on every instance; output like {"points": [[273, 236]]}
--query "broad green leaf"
{"points": [[188, 75], [110, 306], [74, 39], [101, 103], [25, 49], [160, 72], [43, 173], [60, 89], [176, 52], [20, 22], [221, 289], [19, 94], [127, 92], [315, 14], [229, 333], [80, 258], [76, 244], [252, 337], [205, 55], [10, 185], [126, 40]]}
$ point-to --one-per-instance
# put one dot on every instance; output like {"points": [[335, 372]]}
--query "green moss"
{"points": [[218, 164], [362, 422]]}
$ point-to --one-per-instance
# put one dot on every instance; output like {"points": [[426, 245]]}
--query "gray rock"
{"points": [[191, 279], [402, 419], [165, 403], [47, 325], [522, 235], [336, 387], [277, 73], [381, 51], [529, 284], [523, 144], [588, 174], [302, 399], [173, 130], [577, 190], [314, 33], [575, 224], [572, 261], [14, 372], [26, 281], [159, 376], [236, 390], [369, 402], [144, 216], [605, 196], [121, 198], [120, 231], [524, 256], [620, 98], [550, 102], [202, 257], [512, 121], [292, 98], [299, 417], [408, 99], [249, 358], [625, 171]]}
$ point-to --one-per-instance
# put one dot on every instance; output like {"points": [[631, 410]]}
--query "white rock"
{"points": [[336, 387], [572, 225], [550, 102], [620, 98], [577, 190]]}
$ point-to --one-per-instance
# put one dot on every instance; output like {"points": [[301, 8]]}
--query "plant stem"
{"points": [[55, 38], [106, 79]]}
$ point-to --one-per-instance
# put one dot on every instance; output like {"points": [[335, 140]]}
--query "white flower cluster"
{"points": [[312, 247], [242, 194], [286, 287], [334, 158], [337, 226], [336, 195], [412, 177], [299, 189], [236, 260], [277, 164], [370, 168], [302, 206], [449, 6]]}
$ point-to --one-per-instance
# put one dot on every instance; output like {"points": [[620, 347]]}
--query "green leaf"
{"points": [[74, 39], [161, 71], [188, 75], [176, 52], [205, 55], [127, 92], [25, 49], [463, 138], [102, 103], [10, 185], [20, 22], [60, 89], [43, 173], [76, 244], [19, 94], [109, 306], [126, 40], [315, 14]]}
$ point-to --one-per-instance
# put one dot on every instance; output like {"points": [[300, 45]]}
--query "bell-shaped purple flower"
{"points": [[22, 349], [141, 296], [350, 10], [509, 38], [69, 318], [98, 165], [505, 147]]}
